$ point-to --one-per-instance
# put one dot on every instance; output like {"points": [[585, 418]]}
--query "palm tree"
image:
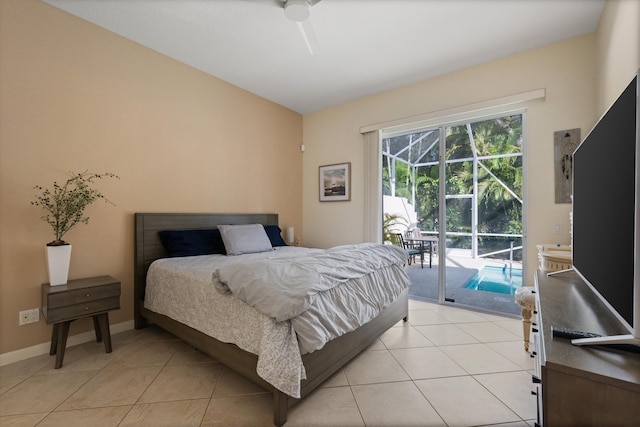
{"points": [[390, 220]]}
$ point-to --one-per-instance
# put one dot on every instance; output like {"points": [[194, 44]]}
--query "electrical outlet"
{"points": [[29, 316]]}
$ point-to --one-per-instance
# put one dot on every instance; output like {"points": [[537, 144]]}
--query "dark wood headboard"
{"points": [[148, 246]]}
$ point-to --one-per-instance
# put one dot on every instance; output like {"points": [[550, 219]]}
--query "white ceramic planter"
{"points": [[58, 260]]}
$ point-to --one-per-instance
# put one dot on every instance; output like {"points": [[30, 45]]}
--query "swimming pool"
{"points": [[495, 279]]}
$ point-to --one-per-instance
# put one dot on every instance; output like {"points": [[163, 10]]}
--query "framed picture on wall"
{"points": [[335, 182]]}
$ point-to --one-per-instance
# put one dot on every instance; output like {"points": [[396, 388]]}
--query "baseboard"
{"points": [[40, 349]]}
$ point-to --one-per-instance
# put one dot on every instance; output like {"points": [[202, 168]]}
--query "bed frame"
{"points": [[319, 365]]}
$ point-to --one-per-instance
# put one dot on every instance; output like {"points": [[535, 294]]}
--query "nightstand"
{"points": [[92, 296]]}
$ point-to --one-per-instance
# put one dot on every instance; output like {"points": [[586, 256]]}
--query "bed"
{"points": [[319, 365]]}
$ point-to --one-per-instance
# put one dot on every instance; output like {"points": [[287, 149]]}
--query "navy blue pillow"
{"points": [[179, 243], [275, 236]]}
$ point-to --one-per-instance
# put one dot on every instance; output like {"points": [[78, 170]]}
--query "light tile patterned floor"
{"points": [[445, 367]]}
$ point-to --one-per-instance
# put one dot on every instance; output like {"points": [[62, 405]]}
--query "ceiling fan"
{"points": [[299, 12]]}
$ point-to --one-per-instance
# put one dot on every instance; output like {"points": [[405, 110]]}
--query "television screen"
{"points": [[604, 207]]}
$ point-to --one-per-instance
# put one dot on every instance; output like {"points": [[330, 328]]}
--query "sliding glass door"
{"points": [[466, 203]]}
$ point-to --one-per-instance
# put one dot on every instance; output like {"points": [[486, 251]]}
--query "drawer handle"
{"points": [[534, 393], [535, 380], [534, 330], [88, 295], [86, 308]]}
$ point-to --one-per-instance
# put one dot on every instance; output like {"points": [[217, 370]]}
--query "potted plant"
{"points": [[64, 207], [389, 225]]}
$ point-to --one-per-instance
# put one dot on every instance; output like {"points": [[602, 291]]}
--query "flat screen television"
{"points": [[606, 225]]}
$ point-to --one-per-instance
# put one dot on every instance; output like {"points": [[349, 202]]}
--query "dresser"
{"points": [[580, 386], [62, 304]]}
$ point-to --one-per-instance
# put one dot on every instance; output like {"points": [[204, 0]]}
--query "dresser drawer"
{"points": [[89, 308], [82, 296]]}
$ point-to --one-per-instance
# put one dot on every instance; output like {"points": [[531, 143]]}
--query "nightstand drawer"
{"points": [[88, 308], [82, 296]]}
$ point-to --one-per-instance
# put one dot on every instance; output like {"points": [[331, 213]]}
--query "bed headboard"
{"points": [[148, 246]]}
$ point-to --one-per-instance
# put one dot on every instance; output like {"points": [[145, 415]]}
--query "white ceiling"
{"points": [[368, 46]]}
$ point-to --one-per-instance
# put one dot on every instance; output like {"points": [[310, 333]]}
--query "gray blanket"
{"points": [[284, 288]]}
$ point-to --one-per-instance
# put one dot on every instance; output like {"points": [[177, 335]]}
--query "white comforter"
{"points": [[182, 288]]}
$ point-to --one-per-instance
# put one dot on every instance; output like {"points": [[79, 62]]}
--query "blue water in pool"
{"points": [[495, 279]]}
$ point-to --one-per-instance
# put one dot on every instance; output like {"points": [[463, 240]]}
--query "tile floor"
{"points": [[446, 367]]}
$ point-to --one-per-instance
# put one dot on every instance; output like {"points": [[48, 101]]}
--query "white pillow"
{"points": [[245, 239]]}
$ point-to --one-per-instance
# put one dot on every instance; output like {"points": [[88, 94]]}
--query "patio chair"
{"points": [[398, 240], [426, 245], [433, 246]]}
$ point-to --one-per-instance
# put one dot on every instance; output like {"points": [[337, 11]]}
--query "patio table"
{"points": [[422, 240]]}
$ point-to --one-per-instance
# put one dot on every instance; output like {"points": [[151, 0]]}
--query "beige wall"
{"points": [[618, 50], [564, 69], [579, 75], [76, 97]]}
